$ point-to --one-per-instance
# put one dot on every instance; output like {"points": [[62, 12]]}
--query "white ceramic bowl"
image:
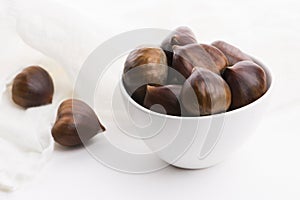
{"points": [[197, 142]]}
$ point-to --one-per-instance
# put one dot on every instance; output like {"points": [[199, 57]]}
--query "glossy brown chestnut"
{"points": [[196, 55], [180, 36], [205, 93], [76, 123], [144, 65], [32, 87], [247, 82], [232, 53], [167, 97]]}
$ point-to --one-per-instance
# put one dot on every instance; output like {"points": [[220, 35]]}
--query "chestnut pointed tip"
{"points": [[174, 39], [101, 127], [175, 47], [194, 69], [150, 88]]}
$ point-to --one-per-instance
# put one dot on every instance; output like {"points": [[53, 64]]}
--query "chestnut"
{"points": [[32, 87], [144, 65], [76, 123], [247, 82], [232, 53], [180, 36], [166, 96], [205, 93]]}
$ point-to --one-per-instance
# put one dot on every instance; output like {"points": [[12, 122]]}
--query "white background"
{"points": [[266, 167]]}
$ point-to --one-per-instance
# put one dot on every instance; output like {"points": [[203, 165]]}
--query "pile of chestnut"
{"points": [[185, 78]]}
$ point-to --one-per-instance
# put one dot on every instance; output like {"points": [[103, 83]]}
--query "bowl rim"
{"points": [[267, 70]]}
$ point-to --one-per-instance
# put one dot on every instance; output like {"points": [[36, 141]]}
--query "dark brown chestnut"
{"points": [[205, 93], [167, 97], [232, 53], [144, 65], [32, 87], [180, 36], [247, 82], [76, 123], [197, 55]]}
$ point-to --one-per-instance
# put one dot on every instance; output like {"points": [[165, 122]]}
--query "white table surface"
{"points": [[266, 167]]}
